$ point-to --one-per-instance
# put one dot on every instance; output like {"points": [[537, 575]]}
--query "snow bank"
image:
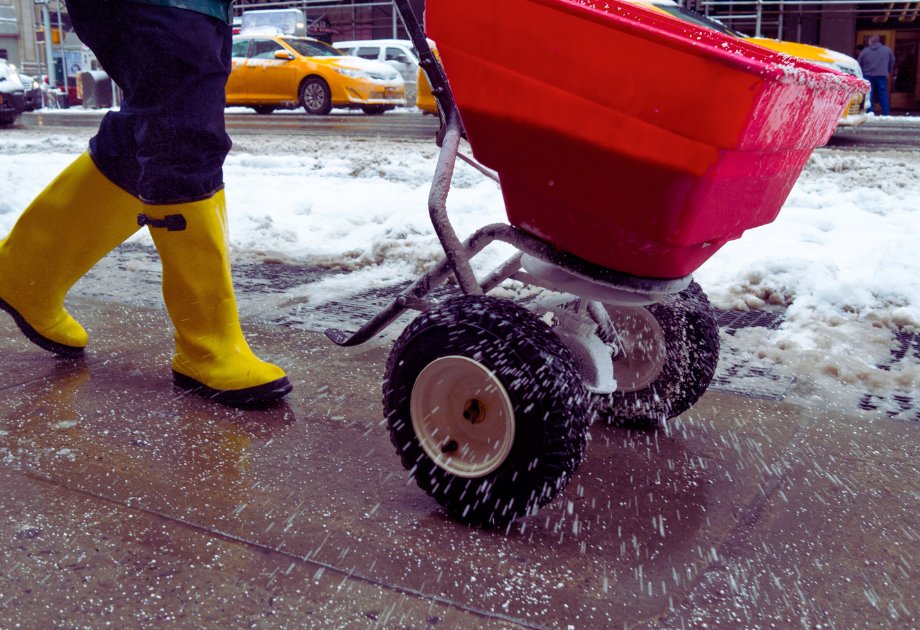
{"points": [[350, 205], [365, 205], [845, 243], [841, 259]]}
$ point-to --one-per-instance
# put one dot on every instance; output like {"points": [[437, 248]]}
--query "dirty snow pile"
{"points": [[842, 258], [353, 205]]}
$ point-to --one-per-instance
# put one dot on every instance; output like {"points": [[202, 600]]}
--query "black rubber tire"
{"points": [[549, 401], [691, 344], [374, 110], [315, 96], [264, 110]]}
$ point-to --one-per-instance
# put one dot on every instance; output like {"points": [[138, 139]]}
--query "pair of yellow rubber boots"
{"points": [[79, 218]]}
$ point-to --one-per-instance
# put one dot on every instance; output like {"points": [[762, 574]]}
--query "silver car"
{"points": [[399, 54], [33, 92]]}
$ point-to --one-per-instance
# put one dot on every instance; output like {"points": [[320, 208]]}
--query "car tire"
{"points": [[374, 110], [264, 110], [315, 96], [672, 350]]}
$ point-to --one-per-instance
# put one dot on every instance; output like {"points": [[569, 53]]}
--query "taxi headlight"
{"points": [[352, 73], [35, 84], [384, 76]]}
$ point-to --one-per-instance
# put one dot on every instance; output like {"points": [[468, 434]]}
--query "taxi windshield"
{"points": [[697, 18], [312, 48]]}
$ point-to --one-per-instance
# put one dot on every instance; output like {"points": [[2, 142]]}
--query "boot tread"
{"points": [[248, 396]]}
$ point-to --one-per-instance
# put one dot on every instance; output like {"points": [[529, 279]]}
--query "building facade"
{"points": [[343, 20], [22, 27], [842, 25], [23, 35]]}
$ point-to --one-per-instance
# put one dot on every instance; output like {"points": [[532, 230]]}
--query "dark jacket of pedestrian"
{"points": [[877, 60]]}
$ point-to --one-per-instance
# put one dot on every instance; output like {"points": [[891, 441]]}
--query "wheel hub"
{"points": [[314, 96], [462, 416], [474, 411], [644, 345]]}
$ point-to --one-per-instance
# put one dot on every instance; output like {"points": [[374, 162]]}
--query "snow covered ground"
{"points": [[842, 259]]}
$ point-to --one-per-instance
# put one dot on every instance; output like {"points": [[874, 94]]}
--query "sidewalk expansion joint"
{"points": [[321, 566]]}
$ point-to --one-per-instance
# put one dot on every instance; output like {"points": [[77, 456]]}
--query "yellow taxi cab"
{"points": [[273, 71], [855, 113], [425, 99]]}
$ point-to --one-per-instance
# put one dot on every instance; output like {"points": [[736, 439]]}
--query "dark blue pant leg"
{"points": [[879, 94], [168, 142]]}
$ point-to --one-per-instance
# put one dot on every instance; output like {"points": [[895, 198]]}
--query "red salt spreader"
{"points": [[630, 146]]}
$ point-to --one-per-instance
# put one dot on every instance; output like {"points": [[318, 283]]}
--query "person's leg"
{"points": [[883, 96], [106, 28], [79, 218], [173, 65], [879, 93], [168, 141], [68, 228]]}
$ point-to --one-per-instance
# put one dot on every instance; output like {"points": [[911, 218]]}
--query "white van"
{"points": [[400, 54]]}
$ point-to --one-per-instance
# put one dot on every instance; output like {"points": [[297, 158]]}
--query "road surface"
{"points": [[879, 134], [395, 125]]}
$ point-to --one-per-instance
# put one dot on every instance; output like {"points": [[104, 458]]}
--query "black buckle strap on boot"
{"points": [[172, 222]]}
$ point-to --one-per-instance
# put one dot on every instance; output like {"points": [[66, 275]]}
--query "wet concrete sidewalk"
{"points": [[128, 505]]}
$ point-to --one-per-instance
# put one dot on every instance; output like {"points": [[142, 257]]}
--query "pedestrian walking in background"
{"points": [[877, 63], [158, 162]]}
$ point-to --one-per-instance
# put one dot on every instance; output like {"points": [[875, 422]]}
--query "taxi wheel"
{"points": [[263, 109], [373, 110], [315, 96]]}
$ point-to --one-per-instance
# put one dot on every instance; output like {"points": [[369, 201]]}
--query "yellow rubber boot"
{"points": [[79, 218], [212, 357]]}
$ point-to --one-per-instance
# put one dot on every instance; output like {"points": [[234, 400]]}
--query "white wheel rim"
{"points": [[644, 344], [472, 446]]}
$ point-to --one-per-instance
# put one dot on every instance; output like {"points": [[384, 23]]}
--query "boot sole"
{"points": [[36, 338], [250, 396]]}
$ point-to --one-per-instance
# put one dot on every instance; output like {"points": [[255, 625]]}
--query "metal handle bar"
{"points": [[457, 254], [411, 298], [450, 146], [440, 89]]}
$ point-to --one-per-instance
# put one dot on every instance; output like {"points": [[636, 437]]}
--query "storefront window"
{"points": [[906, 50]]}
